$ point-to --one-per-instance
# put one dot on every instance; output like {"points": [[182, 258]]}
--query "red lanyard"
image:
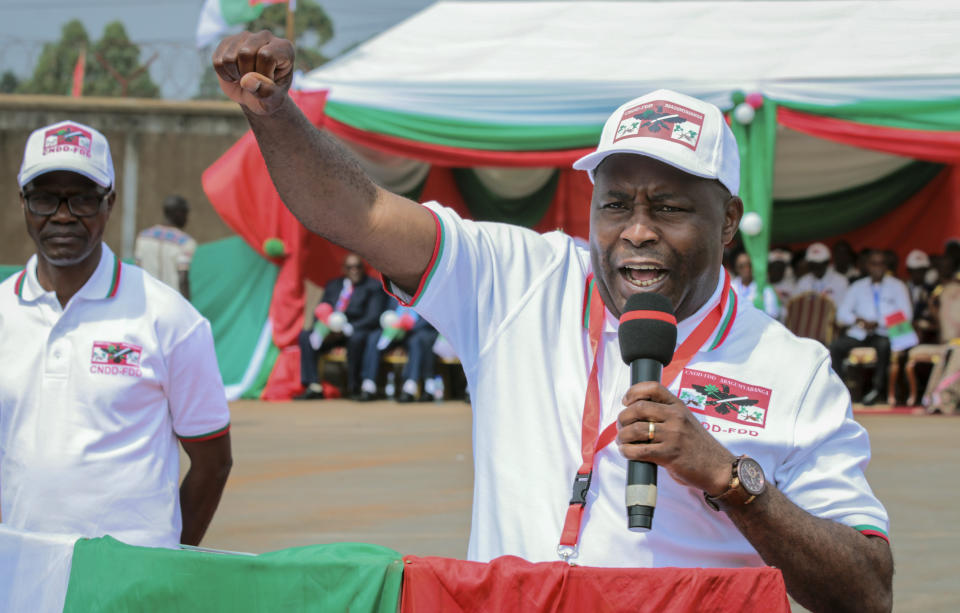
{"points": [[590, 443]]}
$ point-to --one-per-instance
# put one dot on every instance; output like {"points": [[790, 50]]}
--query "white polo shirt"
{"points": [[875, 301], [833, 285], [92, 399], [512, 304], [164, 252]]}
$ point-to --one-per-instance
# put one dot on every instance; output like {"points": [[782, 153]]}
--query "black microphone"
{"points": [[648, 335]]}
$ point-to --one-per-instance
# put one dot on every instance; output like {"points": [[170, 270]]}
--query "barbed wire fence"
{"points": [[178, 67]]}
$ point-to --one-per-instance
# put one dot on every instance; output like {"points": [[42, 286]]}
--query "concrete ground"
{"points": [[401, 476]]}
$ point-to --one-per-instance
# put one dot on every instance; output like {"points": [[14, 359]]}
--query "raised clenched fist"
{"points": [[255, 70]]}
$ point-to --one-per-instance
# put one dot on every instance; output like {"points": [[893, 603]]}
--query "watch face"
{"points": [[751, 476]]}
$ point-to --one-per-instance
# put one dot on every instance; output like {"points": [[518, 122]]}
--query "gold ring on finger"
{"points": [[651, 431]]}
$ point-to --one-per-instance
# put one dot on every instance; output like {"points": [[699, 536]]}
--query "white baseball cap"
{"points": [[817, 252], [676, 129], [917, 259], [71, 146], [779, 255]]}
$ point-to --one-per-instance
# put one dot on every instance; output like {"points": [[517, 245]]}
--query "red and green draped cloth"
{"points": [[240, 189], [455, 156], [50, 572], [890, 212]]}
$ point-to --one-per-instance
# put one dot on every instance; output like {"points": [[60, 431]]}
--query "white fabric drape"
{"points": [[513, 182], [34, 570], [807, 166], [562, 63], [397, 174]]}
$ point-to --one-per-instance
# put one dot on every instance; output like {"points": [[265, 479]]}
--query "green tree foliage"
{"points": [[313, 27], [209, 88], [53, 73], [8, 82], [113, 66]]}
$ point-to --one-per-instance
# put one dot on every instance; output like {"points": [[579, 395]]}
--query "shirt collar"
{"points": [[103, 283]]}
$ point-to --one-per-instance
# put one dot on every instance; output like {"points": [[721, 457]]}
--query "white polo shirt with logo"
{"points": [[92, 399], [512, 301]]}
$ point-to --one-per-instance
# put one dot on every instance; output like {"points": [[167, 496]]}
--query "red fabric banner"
{"points": [[933, 146], [76, 90], [569, 211], [926, 221], [441, 155], [512, 584], [911, 225]]}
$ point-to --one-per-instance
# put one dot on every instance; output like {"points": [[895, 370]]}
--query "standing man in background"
{"points": [[104, 370], [165, 250]]}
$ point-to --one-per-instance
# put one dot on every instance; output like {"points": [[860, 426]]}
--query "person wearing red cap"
{"points": [[534, 320], [105, 370]]}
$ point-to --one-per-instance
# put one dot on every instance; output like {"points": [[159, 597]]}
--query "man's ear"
{"points": [[732, 212], [111, 198]]}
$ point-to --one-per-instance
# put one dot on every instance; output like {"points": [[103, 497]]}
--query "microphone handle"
{"points": [[641, 491]]}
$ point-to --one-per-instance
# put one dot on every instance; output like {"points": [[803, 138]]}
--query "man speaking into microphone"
{"points": [[759, 458]]}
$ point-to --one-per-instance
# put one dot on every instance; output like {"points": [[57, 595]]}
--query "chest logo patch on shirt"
{"points": [[723, 398], [114, 358]]}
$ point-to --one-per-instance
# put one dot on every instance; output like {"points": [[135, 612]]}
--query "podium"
{"points": [[54, 572], [510, 584]]}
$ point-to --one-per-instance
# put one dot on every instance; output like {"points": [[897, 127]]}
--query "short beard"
{"points": [[69, 261]]}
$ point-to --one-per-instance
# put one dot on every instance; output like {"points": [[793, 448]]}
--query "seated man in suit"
{"points": [[359, 300]]}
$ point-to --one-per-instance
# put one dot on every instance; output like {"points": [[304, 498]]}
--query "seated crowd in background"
{"points": [[870, 315], [355, 313]]}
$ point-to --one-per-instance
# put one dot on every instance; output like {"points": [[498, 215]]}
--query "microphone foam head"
{"points": [[648, 329]]}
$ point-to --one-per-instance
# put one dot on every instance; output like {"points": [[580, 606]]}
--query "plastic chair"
{"points": [[812, 315]]}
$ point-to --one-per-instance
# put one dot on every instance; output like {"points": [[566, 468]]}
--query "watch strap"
{"points": [[735, 495]]}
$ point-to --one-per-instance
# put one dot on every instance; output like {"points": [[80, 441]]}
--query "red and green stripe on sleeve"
{"points": [[209, 436]]}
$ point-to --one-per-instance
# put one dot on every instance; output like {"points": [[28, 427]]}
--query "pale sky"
{"points": [[166, 28]]}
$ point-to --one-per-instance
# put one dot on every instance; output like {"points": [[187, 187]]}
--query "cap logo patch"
{"points": [[661, 119], [67, 138]]}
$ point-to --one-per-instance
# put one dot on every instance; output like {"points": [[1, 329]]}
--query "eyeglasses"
{"points": [[79, 205]]}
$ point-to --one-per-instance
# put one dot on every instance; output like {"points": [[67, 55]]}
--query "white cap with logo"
{"points": [[817, 253], [70, 146], [918, 259], [779, 255], [684, 132]]}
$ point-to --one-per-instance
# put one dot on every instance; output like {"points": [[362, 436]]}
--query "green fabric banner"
{"points": [[819, 217], [464, 133], [107, 575], [6, 271], [756, 142], [936, 115], [232, 285], [484, 205]]}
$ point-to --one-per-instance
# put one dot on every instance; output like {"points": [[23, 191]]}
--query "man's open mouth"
{"points": [[643, 275]]}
